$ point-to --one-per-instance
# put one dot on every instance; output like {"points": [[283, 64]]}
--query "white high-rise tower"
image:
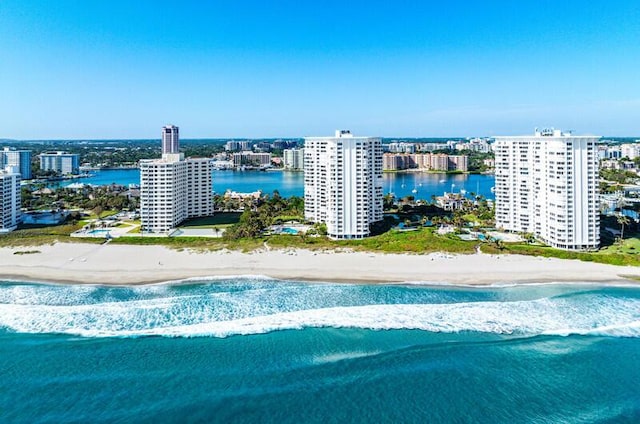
{"points": [[547, 185], [170, 139], [173, 189], [10, 198], [343, 183]]}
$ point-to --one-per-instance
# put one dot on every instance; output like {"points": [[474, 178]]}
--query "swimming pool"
{"points": [[289, 230], [98, 232]]}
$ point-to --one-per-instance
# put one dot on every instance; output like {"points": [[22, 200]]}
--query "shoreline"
{"points": [[121, 265]]}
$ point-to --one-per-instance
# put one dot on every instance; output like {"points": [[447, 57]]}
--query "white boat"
{"points": [[443, 181], [414, 191]]}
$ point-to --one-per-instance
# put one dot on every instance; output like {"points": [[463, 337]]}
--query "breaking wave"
{"points": [[237, 306]]}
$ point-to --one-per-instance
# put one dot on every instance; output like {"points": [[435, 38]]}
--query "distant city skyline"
{"points": [[249, 69]]}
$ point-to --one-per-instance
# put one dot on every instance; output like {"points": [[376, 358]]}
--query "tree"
{"points": [[622, 220], [98, 211], [388, 201]]}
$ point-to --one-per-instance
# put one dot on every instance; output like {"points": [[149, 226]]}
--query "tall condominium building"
{"points": [[19, 158], [343, 183], [10, 198], [293, 159], [61, 162], [547, 185], [173, 189], [170, 139], [234, 146]]}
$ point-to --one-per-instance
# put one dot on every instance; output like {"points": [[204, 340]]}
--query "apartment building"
{"points": [[61, 162], [547, 185], [630, 150], [234, 146], [397, 162], [458, 163], [343, 183], [170, 139], [10, 198], [19, 158], [249, 158], [293, 159], [173, 189]]}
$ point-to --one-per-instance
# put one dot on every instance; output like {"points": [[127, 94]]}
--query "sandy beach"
{"points": [[123, 264]]}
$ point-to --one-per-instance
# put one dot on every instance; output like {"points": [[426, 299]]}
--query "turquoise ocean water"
{"points": [[292, 183], [253, 349]]}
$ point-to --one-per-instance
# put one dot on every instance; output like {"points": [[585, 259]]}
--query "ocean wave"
{"points": [[253, 311], [205, 279]]}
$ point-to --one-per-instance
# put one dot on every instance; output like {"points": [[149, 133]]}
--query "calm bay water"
{"points": [[292, 183], [261, 350]]}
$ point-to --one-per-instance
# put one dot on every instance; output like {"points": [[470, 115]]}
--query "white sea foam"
{"points": [[248, 277], [336, 357], [257, 311], [505, 284]]}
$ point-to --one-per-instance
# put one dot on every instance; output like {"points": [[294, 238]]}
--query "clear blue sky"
{"points": [[122, 69]]}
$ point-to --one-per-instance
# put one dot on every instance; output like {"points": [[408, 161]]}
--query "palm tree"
{"points": [[436, 221], [622, 220]]}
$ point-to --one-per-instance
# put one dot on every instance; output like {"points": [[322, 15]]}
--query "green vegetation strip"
{"points": [[424, 240]]}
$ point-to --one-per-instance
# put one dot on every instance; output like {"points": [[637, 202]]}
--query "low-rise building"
{"points": [[248, 158], [453, 201]]}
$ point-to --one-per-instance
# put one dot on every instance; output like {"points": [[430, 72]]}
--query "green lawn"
{"points": [[43, 235], [628, 246], [608, 255]]}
